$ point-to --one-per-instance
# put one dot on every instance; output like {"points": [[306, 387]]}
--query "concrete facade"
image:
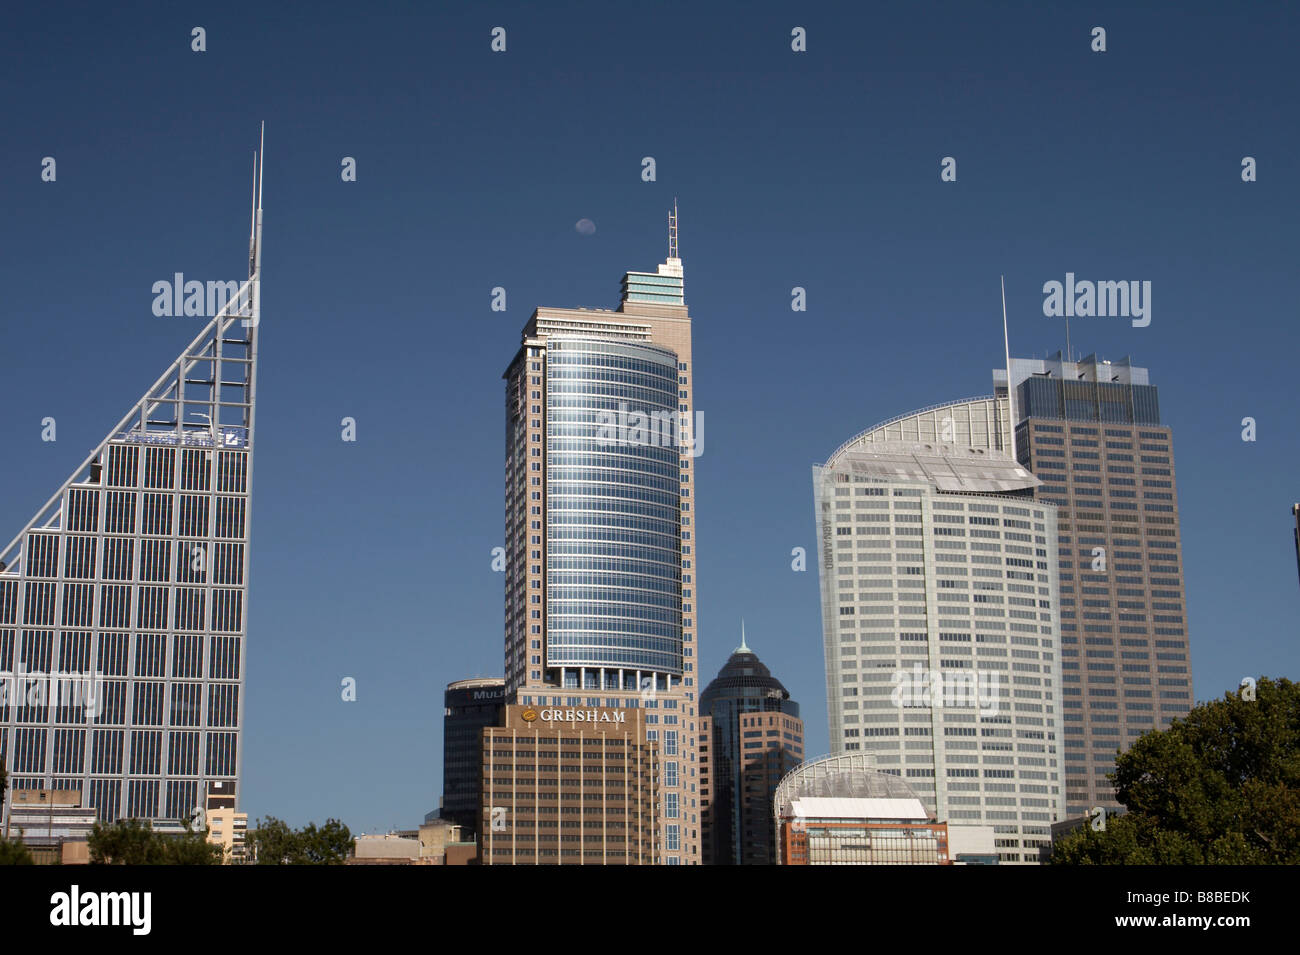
{"points": [[941, 621]]}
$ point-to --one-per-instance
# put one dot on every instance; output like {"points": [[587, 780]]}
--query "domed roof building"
{"points": [[751, 736]]}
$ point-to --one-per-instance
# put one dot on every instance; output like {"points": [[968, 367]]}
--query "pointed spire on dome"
{"points": [[744, 647]]}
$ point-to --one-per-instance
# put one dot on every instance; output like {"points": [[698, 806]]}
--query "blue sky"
{"points": [[820, 169]]}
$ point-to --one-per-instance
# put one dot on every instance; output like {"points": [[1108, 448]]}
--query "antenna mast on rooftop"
{"points": [[1011, 394], [672, 232]]}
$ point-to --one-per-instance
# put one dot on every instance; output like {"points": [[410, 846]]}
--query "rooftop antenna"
{"points": [[1011, 394], [255, 227], [252, 219], [672, 232], [1068, 354]]}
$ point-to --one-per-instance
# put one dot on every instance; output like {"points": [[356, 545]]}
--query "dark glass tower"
{"points": [[753, 735], [1090, 430], [468, 706]]}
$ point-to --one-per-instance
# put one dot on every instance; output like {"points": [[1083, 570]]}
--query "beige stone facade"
{"points": [[569, 786]]}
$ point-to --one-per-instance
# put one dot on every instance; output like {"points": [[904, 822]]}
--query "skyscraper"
{"points": [[125, 596], [600, 535], [750, 737], [1090, 431], [939, 611]]}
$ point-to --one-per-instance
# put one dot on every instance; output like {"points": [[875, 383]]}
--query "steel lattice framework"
{"points": [[123, 601]]}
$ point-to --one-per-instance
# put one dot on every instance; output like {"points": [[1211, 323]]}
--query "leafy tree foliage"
{"points": [[275, 843], [1219, 787], [133, 842], [12, 852]]}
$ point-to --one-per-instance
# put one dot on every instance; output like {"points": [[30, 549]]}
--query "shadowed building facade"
{"points": [[750, 737], [468, 706]]}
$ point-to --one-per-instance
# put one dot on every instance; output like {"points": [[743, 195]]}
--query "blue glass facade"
{"points": [[613, 507]]}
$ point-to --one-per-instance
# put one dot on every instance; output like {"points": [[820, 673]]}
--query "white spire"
{"points": [[1011, 394], [744, 647]]}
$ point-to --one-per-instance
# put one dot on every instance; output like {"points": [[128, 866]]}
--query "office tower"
{"points": [[750, 737], [939, 611], [468, 706], [600, 534], [565, 786], [125, 597], [1090, 431]]}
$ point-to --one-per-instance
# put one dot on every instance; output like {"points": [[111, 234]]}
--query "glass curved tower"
{"points": [[600, 549], [614, 530]]}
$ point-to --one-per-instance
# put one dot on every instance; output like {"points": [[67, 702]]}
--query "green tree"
{"points": [[126, 842], [191, 848], [12, 852], [275, 843], [133, 842], [1219, 787], [328, 845]]}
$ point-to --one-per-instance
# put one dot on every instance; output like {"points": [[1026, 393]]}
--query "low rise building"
{"points": [[226, 827], [48, 820], [387, 848]]}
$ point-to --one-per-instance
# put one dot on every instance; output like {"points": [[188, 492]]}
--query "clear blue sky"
{"points": [[821, 169]]}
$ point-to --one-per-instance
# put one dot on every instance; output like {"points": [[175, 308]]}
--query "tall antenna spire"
{"points": [[261, 154], [1011, 393], [744, 647], [252, 220], [673, 252], [255, 238]]}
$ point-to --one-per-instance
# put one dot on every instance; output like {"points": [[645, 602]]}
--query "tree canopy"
{"points": [[133, 842], [12, 852], [1219, 787], [275, 843]]}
